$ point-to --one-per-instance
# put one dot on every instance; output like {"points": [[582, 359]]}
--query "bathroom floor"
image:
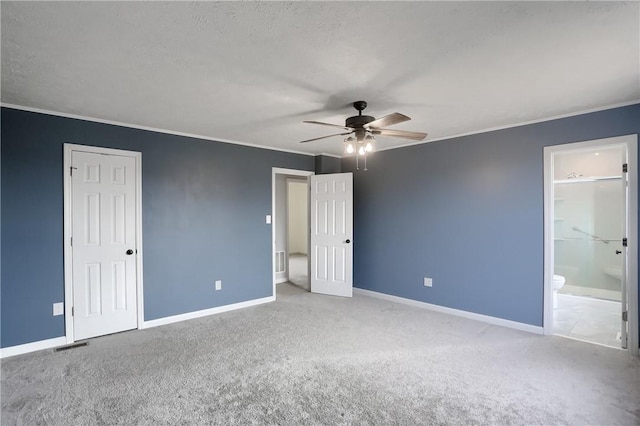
{"points": [[584, 318]]}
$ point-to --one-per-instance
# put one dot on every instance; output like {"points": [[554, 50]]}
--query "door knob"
{"points": [[348, 241], [618, 252], [129, 252]]}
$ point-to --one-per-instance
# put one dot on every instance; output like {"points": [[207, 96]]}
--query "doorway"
{"points": [[103, 245], [297, 217], [590, 263], [329, 228], [290, 230]]}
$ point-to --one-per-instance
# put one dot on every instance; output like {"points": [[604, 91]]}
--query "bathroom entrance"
{"points": [[591, 294]]}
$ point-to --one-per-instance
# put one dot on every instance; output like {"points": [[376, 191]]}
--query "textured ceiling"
{"points": [[252, 71]]}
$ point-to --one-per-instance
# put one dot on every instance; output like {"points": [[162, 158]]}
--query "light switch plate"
{"points": [[428, 282], [218, 285], [58, 309]]}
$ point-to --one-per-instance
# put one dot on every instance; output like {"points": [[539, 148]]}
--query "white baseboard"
{"points": [[61, 341], [457, 312], [32, 347], [205, 312], [281, 280]]}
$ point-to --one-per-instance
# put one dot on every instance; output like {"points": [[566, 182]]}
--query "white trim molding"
{"points": [[395, 146], [32, 347], [451, 311], [206, 312], [150, 129], [68, 252], [61, 341], [325, 154], [520, 124]]}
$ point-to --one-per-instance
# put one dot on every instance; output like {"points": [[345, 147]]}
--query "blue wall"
{"points": [[326, 164], [203, 203], [467, 212]]}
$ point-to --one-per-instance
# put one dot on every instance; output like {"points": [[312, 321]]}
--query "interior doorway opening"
{"points": [[290, 230], [591, 291], [588, 215], [298, 231]]}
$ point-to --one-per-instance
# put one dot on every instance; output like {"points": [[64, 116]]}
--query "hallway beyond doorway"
{"points": [[298, 270]]}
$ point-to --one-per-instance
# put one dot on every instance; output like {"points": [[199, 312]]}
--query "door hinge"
{"points": [[625, 166], [71, 169], [625, 314], [624, 242], [71, 241], [73, 311]]}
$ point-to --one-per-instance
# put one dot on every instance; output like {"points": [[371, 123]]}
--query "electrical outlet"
{"points": [[218, 285], [428, 282], [268, 219], [58, 309]]}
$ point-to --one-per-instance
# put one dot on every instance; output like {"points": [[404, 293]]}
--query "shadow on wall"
{"points": [[468, 213]]}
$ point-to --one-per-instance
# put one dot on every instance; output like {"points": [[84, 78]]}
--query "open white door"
{"points": [[103, 209], [331, 248]]}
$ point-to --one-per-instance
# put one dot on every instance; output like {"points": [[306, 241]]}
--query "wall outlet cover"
{"points": [[58, 309], [428, 282], [268, 219]]}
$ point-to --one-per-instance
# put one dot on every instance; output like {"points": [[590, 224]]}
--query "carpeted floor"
{"points": [[312, 359]]}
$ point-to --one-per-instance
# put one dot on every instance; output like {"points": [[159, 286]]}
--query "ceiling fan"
{"points": [[364, 127]]}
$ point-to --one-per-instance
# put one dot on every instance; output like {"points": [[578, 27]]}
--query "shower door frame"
{"points": [[630, 144]]}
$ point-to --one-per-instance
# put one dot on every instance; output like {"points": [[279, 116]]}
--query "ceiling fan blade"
{"points": [[403, 134], [388, 120], [327, 124], [328, 136]]}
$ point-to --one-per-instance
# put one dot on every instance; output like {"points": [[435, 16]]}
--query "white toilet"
{"points": [[558, 282]]}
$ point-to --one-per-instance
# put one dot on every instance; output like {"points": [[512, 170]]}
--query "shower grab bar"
{"points": [[595, 237]]}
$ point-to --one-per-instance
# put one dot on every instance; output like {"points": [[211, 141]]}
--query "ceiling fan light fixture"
{"points": [[369, 143], [348, 148], [349, 145], [361, 130]]}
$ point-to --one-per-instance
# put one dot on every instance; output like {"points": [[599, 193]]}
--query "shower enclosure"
{"points": [[588, 229]]}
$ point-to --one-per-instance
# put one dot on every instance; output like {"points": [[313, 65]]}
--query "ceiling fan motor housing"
{"points": [[358, 121], [357, 124]]}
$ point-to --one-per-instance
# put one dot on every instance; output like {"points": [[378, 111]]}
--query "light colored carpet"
{"points": [[312, 359]]}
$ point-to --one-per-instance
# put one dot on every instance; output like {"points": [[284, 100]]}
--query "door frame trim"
{"points": [[630, 142], [68, 253], [287, 172]]}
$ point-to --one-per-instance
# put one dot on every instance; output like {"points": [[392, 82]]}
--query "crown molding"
{"points": [[523, 123], [192, 135], [151, 129], [325, 154]]}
